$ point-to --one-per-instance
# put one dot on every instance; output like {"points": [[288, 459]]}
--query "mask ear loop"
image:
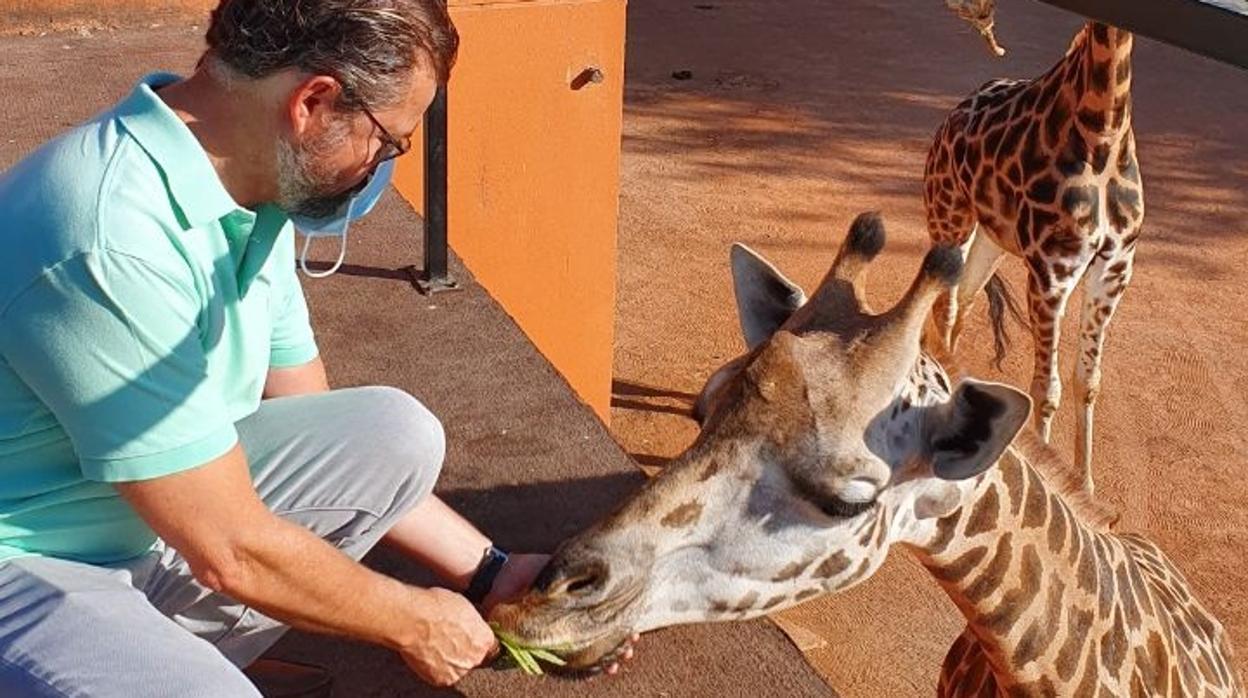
{"points": [[342, 249]]}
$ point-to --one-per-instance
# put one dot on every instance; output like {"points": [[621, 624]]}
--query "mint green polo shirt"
{"points": [[140, 311]]}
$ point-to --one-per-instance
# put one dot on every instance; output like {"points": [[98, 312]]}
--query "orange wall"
{"points": [[534, 173]]}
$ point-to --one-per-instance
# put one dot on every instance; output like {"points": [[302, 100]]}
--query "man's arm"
{"points": [[304, 379], [235, 545]]}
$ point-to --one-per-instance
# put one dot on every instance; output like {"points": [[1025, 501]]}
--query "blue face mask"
{"points": [[339, 222]]}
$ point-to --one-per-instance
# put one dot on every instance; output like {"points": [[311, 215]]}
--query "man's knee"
{"points": [[406, 438]]}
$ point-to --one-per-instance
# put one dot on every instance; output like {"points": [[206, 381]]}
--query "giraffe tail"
{"points": [[1000, 304]]}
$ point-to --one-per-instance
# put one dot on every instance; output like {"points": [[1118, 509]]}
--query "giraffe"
{"points": [[833, 439], [1045, 170]]}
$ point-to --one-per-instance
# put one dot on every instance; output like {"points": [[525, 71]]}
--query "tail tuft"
{"points": [[1000, 303]]}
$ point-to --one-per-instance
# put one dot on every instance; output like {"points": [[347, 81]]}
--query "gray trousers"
{"points": [[346, 465]]}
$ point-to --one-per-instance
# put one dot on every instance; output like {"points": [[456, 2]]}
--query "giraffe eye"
{"points": [[838, 508]]}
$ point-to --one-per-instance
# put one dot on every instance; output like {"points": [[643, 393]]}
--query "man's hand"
{"points": [[235, 545], [449, 638]]}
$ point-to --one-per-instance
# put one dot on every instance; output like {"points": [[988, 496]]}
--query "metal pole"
{"points": [[435, 277]]}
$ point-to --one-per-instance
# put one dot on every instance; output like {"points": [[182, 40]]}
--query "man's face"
{"points": [[329, 154]]}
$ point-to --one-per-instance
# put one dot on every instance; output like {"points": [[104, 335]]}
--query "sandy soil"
{"points": [[87, 17], [796, 119]]}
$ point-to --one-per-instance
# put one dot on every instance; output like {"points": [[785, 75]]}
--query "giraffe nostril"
{"points": [[585, 584], [562, 577]]}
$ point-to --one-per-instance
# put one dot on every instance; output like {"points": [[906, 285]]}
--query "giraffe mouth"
{"points": [[598, 654], [588, 638]]}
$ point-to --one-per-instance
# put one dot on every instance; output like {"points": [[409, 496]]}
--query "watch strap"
{"points": [[487, 571]]}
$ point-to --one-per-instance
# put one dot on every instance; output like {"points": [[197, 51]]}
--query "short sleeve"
{"points": [[292, 342], [112, 346]]}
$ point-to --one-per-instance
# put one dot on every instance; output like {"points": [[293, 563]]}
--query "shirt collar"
{"points": [[189, 175]]}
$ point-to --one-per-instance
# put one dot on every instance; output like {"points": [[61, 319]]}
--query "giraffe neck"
{"points": [[1024, 570], [1099, 73]]}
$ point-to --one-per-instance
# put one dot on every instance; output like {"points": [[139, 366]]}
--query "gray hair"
{"points": [[370, 46]]}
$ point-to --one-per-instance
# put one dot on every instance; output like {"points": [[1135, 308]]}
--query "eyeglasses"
{"points": [[391, 147]]}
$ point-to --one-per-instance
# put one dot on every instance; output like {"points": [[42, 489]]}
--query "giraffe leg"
{"points": [[944, 314], [950, 221], [1047, 304], [946, 311], [937, 334], [1106, 281], [981, 261]]}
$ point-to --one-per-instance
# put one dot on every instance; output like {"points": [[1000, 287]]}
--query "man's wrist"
{"points": [[492, 562]]}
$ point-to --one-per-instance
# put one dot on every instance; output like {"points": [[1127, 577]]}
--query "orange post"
{"points": [[535, 107]]}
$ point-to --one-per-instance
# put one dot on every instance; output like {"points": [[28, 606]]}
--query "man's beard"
{"points": [[305, 187]]}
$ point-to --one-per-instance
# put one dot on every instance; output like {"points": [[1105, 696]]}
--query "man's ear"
{"points": [[967, 435], [765, 298], [311, 102]]}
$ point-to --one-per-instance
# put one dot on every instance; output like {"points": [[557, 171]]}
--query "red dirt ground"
{"points": [[801, 114]]}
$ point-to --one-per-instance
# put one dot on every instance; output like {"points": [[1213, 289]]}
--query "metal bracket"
{"points": [[428, 286]]}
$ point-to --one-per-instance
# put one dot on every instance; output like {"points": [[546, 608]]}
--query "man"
{"points": [[177, 483]]}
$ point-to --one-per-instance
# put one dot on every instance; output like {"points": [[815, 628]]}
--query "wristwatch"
{"points": [[487, 571]]}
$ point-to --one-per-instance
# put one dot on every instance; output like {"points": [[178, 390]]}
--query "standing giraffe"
{"points": [[1044, 169], [836, 437]]}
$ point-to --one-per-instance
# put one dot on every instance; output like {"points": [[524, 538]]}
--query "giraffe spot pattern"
{"points": [[1114, 646], [1127, 594], [1122, 204], [1057, 122], [1092, 120], [858, 573], [806, 594], [984, 514], [1016, 601], [1073, 158], [1012, 478], [1057, 525], [1036, 509], [1099, 76], [774, 601], [1043, 189], [793, 570], [1100, 157], [1085, 573], [945, 528], [1077, 628], [747, 602], [833, 566], [994, 573], [684, 515]]}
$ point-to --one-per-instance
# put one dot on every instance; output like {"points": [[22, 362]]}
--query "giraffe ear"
{"points": [[765, 299], [969, 433]]}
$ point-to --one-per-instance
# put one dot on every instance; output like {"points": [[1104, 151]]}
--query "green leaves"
{"points": [[527, 658]]}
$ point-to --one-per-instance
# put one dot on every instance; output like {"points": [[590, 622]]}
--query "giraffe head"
{"points": [[819, 448], [981, 14]]}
